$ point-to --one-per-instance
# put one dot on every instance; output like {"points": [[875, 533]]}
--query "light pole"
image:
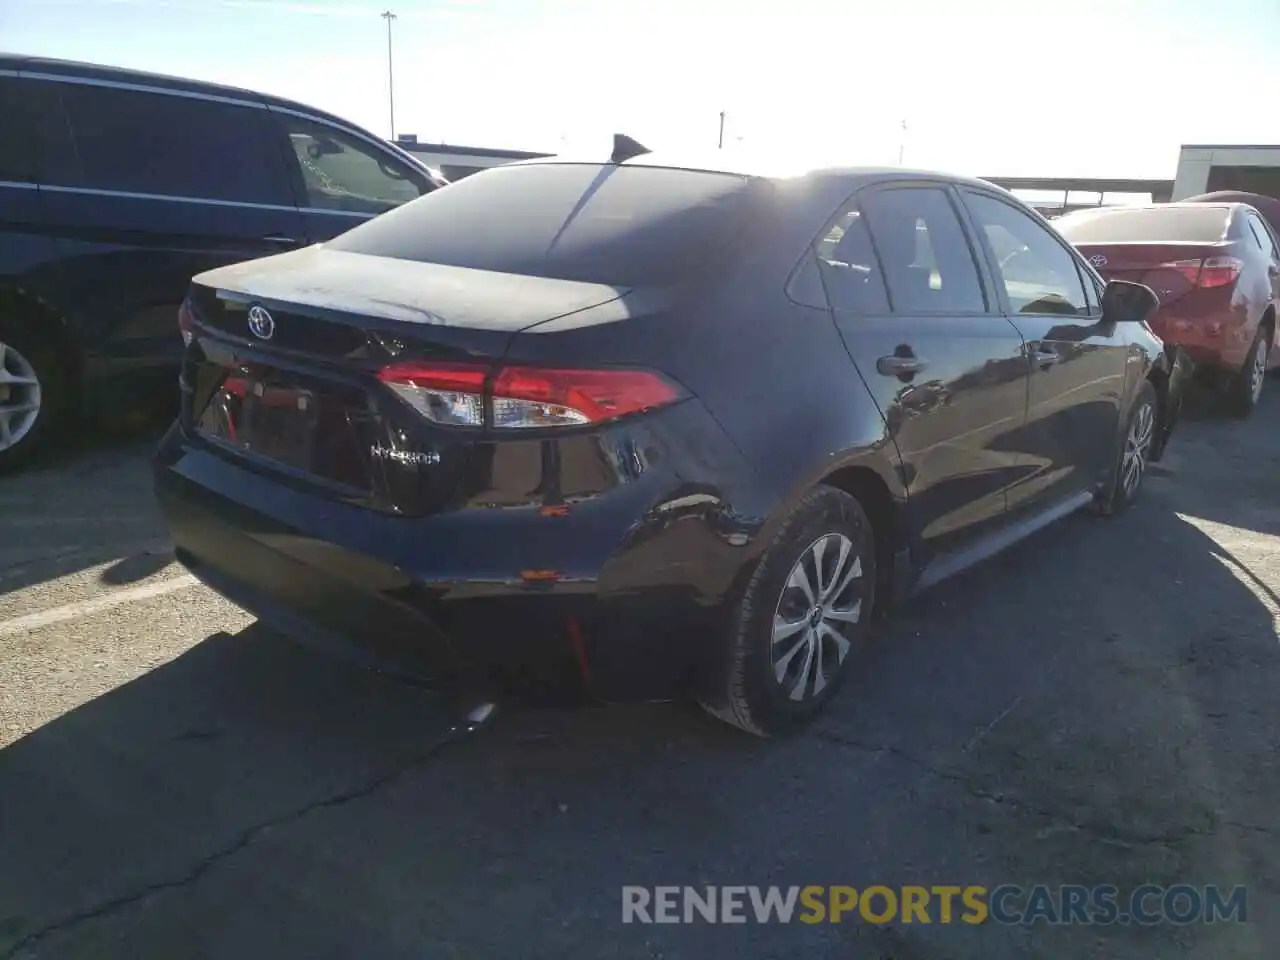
{"points": [[720, 144], [388, 16], [902, 143]]}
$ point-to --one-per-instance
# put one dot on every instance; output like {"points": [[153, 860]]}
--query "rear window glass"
{"points": [[1145, 225], [624, 226]]}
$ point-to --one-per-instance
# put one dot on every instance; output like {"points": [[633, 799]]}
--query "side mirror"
{"points": [[1125, 302]]}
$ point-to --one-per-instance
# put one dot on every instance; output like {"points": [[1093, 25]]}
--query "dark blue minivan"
{"points": [[116, 187]]}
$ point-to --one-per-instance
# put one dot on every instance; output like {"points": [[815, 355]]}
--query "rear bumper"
{"points": [[1216, 342], [618, 598]]}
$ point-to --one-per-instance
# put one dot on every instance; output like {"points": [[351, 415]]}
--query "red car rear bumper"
{"points": [[1211, 342]]}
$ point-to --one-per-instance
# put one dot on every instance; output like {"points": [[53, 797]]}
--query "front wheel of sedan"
{"points": [[1135, 453], [803, 614]]}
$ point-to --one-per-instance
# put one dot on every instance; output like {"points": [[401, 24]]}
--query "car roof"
{"points": [[1130, 207], [123, 75], [747, 164]]}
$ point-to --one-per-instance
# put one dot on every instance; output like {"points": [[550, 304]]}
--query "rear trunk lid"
{"points": [[1172, 269], [282, 368]]}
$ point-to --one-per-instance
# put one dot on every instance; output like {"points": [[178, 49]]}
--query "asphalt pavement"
{"points": [[1096, 706]]}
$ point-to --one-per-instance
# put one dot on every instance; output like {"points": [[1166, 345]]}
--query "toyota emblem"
{"points": [[1098, 260], [261, 324]]}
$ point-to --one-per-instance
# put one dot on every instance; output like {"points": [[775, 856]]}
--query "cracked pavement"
{"points": [[1098, 705]]}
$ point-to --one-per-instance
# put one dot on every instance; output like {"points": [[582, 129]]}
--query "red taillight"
{"points": [[522, 397], [1220, 271], [1212, 272], [449, 393], [186, 323], [530, 397]]}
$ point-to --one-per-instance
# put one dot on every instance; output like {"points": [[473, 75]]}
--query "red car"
{"points": [[1216, 269]]}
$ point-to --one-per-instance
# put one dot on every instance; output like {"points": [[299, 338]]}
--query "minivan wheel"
{"points": [[1135, 453], [29, 391], [801, 617], [1246, 386]]}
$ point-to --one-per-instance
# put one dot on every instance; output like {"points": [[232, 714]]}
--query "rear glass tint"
{"points": [[625, 226], [1199, 224]]}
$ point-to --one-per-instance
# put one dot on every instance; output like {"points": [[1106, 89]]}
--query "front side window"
{"points": [[344, 173], [926, 258], [1092, 292], [1038, 273], [154, 143]]}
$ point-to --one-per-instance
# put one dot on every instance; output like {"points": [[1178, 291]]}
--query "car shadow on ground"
{"points": [[85, 502], [1094, 706]]}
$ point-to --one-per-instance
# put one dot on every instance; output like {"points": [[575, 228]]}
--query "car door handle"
{"points": [[280, 239], [896, 366], [1044, 359]]}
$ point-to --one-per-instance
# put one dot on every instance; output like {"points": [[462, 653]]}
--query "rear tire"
{"points": [[800, 618], [1134, 454], [1245, 388], [32, 393]]}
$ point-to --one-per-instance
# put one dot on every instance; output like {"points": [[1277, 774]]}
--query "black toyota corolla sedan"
{"points": [[645, 427]]}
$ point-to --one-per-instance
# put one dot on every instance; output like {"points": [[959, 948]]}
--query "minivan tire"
{"points": [[22, 354], [750, 688]]}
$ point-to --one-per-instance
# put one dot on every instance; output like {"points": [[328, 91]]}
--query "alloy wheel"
{"points": [[1258, 374], [821, 601], [19, 397], [1136, 448]]}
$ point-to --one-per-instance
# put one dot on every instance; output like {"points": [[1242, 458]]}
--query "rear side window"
{"points": [[1201, 223], [153, 143], [848, 266], [620, 225], [1252, 231], [344, 173], [926, 258], [1263, 235]]}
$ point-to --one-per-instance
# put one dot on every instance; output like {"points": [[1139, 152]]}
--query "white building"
{"points": [[1204, 168]]}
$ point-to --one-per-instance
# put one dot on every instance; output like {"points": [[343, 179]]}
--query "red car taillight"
{"points": [[525, 397], [1220, 271], [186, 323], [1212, 272]]}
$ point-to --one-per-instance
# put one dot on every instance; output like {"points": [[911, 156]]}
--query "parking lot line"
{"points": [[85, 608]]}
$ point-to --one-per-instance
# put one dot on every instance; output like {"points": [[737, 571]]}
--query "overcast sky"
{"points": [[988, 87]]}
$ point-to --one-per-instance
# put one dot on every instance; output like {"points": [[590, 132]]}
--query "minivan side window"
{"points": [[17, 162], [133, 141], [1039, 274], [344, 173], [848, 266], [926, 258]]}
